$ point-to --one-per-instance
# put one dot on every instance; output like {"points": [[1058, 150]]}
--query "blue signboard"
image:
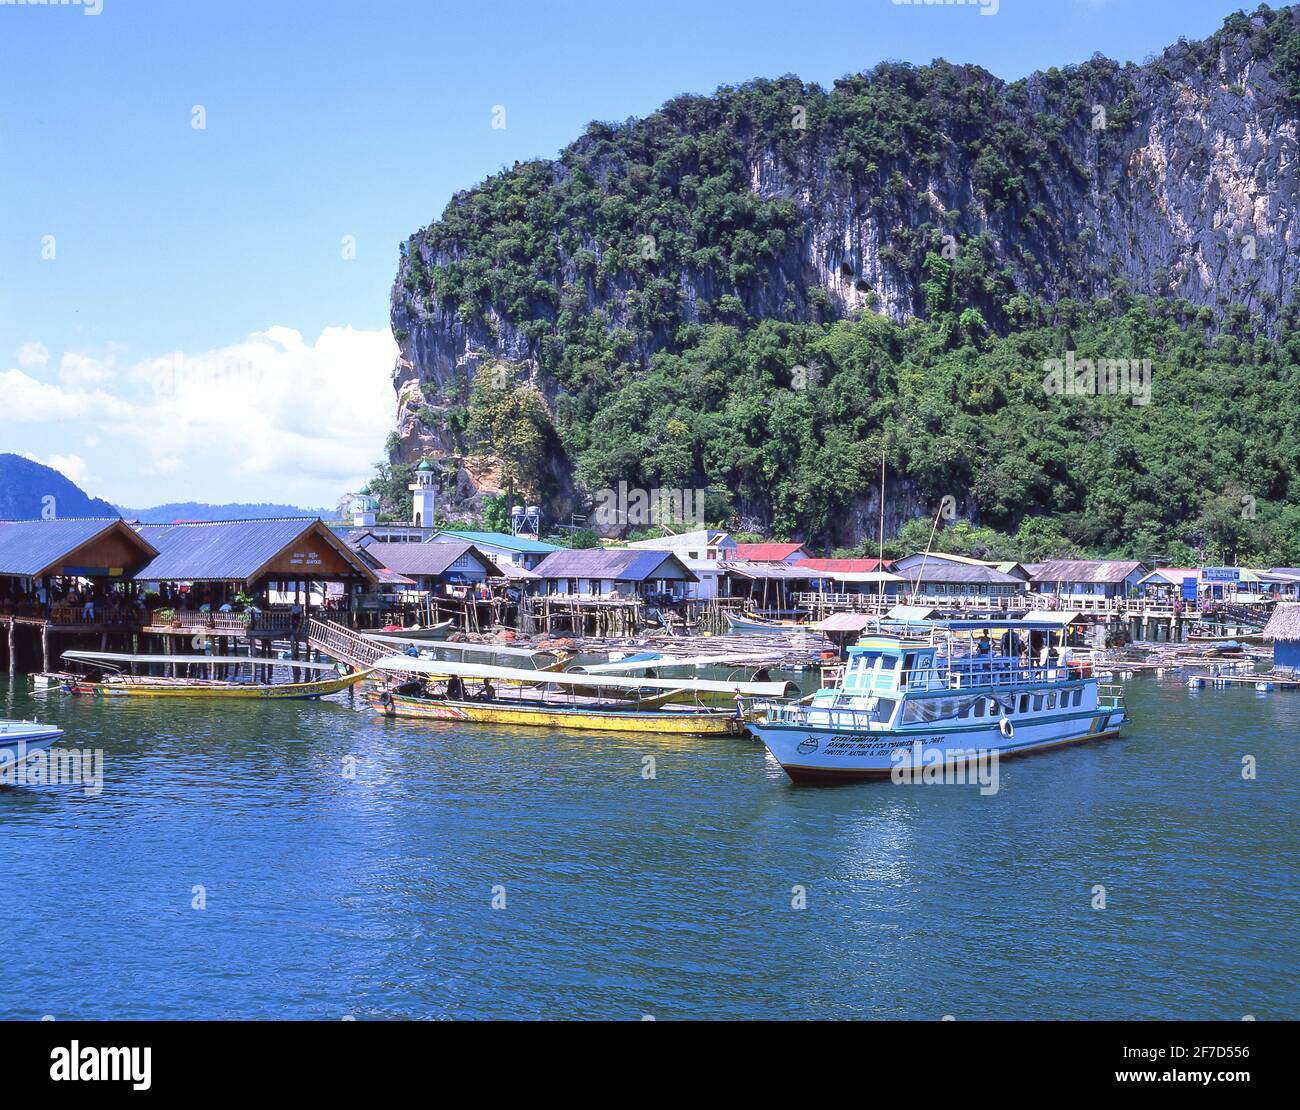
{"points": [[1189, 589], [1222, 574]]}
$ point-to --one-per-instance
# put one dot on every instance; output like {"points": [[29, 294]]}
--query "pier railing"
{"points": [[1025, 602], [341, 643]]}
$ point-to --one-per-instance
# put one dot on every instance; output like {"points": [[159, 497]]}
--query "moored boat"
{"points": [[936, 694], [21, 739], [437, 689], [759, 624], [239, 679], [435, 632]]}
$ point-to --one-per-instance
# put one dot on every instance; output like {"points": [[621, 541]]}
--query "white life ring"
{"points": [[1006, 728]]}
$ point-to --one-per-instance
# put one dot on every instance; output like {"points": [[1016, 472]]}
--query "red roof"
{"points": [[767, 552], [844, 566]]}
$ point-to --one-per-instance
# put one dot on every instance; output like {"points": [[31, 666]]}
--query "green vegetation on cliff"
{"points": [[666, 301]]}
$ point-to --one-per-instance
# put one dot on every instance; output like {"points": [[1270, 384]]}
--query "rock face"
{"points": [[1176, 178]]}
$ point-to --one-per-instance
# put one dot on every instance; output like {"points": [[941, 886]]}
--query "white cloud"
{"points": [[27, 400], [270, 418], [72, 467], [80, 371], [33, 356]]}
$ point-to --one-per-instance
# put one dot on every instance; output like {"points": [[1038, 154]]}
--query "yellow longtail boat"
{"points": [[654, 710], [115, 682]]}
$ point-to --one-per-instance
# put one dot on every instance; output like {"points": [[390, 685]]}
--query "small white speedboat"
{"points": [[21, 739]]}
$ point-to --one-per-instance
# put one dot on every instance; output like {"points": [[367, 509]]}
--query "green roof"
{"points": [[424, 465], [502, 539]]}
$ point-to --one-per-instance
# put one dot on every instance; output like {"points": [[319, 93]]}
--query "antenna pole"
{"points": [[880, 565]]}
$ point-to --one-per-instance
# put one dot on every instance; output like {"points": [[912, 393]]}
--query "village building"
{"points": [[1073, 580], [703, 545], [769, 553], [70, 571], [520, 551], [449, 569], [704, 551], [615, 572], [949, 579], [1283, 629]]}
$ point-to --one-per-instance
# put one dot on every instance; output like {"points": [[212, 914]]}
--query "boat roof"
{"points": [[1050, 624], [447, 668], [679, 661], [451, 645], [118, 657]]}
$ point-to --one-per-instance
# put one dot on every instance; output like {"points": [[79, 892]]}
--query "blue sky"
{"points": [[198, 332]]}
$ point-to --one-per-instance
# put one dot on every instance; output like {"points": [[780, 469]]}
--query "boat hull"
{"points": [[826, 755], [21, 739], [433, 632], [585, 719], [284, 690], [749, 624]]}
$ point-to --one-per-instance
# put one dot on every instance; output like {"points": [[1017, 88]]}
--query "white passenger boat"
{"points": [[21, 739], [941, 692]]}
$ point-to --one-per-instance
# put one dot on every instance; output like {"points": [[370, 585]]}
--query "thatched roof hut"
{"points": [[1284, 624], [1284, 627]]}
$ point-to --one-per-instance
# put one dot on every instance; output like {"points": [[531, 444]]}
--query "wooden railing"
{"points": [[341, 643], [817, 601]]}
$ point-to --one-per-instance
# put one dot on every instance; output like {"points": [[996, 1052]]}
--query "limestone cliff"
{"points": [[1177, 178]]}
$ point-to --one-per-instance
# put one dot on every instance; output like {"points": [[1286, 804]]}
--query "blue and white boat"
{"points": [[20, 740], [940, 692]]}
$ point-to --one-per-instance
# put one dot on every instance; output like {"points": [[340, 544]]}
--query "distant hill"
{"points": [[200, 510], [25, 486]]}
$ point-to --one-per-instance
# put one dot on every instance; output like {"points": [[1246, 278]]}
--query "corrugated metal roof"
{"points": [[940, 570], [1087, 570], [428, 559], [845, 622], [27, 547], [618, 564], [846, 566], [516, 573], [745, 568], [221, 551], [701, 537], [499, 539], [767, 552]]}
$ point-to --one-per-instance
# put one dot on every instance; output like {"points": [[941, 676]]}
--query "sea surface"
{"points": [[310, 860]]}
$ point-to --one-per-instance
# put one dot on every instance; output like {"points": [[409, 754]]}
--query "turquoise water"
{"points": [[371, 895]]}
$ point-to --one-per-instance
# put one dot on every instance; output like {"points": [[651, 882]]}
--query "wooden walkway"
{"points": [[342, 643]]}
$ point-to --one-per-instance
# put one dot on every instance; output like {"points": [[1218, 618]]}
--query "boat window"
{"points": [[979, 708], [1038, 703], [1024, 703], [1051, 700], [993, 708], [924, 710], [1078, 696]]}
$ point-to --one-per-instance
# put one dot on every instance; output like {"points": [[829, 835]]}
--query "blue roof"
{"points": [[501, 539], [619, 564], [28, 547], [228, 550]]}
